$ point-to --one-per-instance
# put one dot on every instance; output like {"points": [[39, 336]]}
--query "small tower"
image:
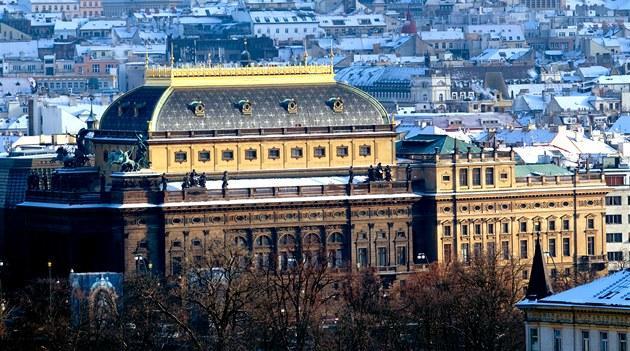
{"points": [[539, 286]]}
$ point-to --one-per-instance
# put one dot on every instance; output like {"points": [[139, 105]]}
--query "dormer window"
{"points": [[245, 106], [198, 108], [290, 105], [336, 103]]}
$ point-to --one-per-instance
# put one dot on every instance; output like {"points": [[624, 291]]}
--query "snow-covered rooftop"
{"points": [[451, 34], [606, 292]]}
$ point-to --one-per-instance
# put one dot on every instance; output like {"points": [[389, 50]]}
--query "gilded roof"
{"points": [[181, 108]]}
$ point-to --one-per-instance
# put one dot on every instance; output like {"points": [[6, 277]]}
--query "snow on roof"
{"points": [[593, 71], [574, 102], [199, 20], [534, 102], [618, 79], [357, 20], [536, 154], [269, 17], [617, 5], [19, 48], [363, 76], [537, 89], [450, 34], [507, 54], [526, 137], [102, 25], [506, 32], [612, 291], [621, 125], [67, 25]]}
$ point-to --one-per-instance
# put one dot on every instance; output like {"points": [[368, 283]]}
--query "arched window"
{"points": [[240, 241], [335, 238], [311, 239], [263, 240], [287, 239]]}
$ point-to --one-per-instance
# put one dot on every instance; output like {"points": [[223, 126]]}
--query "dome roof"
{"points": [[173, 108]]}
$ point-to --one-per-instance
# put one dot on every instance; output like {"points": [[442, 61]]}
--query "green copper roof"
{"points": [[426, 144], [541, 170]]}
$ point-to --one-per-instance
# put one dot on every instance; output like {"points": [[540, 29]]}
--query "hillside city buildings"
{"points": [[499, 123]]}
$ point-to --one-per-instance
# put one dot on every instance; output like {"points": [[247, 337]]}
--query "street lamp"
{"points": [[422, 257], [49, 288], [90, 121]]}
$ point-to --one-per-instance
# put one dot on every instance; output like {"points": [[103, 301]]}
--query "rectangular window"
{"points": [[623, 341], [551, 225], [505, 228], [342, 151], [490, 228], [613, 219], [251, 154], [613, 200], [446, 178], [566, 224], [614, 237], [491, 250], [477, 249], [180, 157], [447, 253], [615, 255], [505, 250], [464, 229], [523, 248], [227, 155], [490, 176], [477, 229], [319, 151], [557, 340], [96, 68], [176, 265], [533, 339], [537, 227], [476, 176], [463, 177], [362, 258], [401, 255], [465, 252], [603, 341], [365, 150], [590, 223], [523, 227], [203, 156], [566, 247], [297, 152], [590, 245], [273, 153], [382, 256], [552, 247], [447, 230]]}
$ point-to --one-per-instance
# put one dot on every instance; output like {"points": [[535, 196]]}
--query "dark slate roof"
{"points": [[222, 108], [426, 144], [144, 98], [539, 286]]}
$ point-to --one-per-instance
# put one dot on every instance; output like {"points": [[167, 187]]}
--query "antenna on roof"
{"points": [[305, 53], [146, 56], [172, 55], [332, 57]]}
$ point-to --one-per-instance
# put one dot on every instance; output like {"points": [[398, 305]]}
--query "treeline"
{"points": [[228, 305]]}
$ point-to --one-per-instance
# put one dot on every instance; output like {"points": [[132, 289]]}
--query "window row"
{"points": [[489, 178], [523, 227], [505, 253], [382, 256], [272, 153], [587, 340]]}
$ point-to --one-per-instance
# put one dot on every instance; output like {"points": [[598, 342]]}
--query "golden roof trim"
{"points": [[221, 75]]}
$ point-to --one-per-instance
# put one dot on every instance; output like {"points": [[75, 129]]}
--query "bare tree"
{"points": [[291, 305]]}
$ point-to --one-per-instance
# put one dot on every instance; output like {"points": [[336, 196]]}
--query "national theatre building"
{"points": [[274, 159], [292, 165]]}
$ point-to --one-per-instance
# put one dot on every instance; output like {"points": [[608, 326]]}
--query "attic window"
{"points": [[290, 105], [245, 107], [198, 108], [336, 103]]}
